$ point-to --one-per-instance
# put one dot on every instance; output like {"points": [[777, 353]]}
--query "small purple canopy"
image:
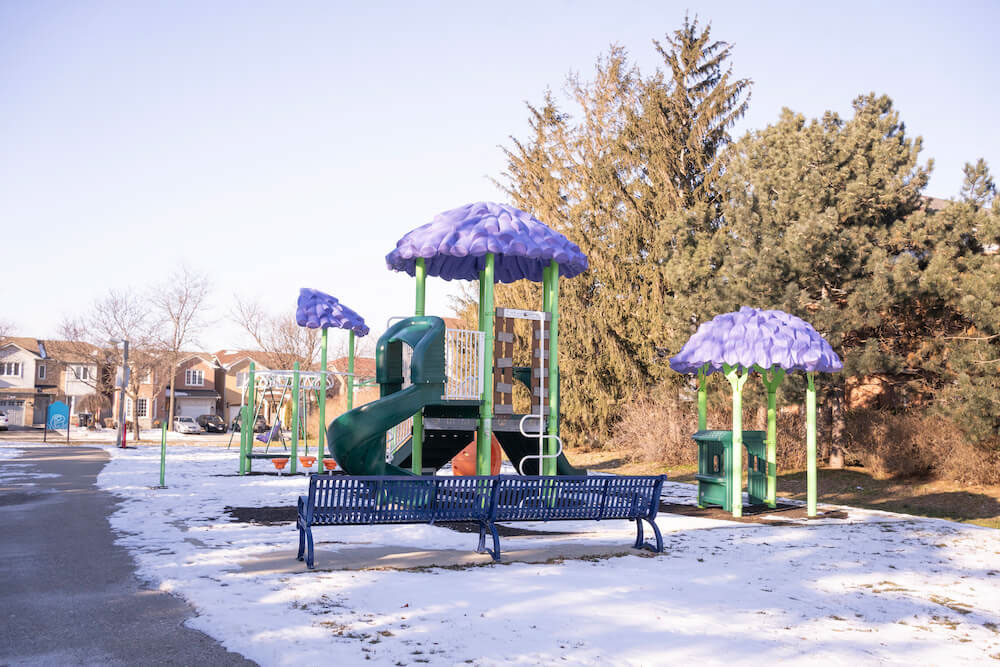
{"points": [[751, 337], [455, 244], [318, 310]]}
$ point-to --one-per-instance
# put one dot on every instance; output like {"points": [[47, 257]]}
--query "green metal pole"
{"points": [[247, 431], [163, 454], [350, 369], [485, 436], [295, 417], [417, 441], [322, 399], [702, 400], [771, 381], [552, 289], [811, 446], [737, 381]]}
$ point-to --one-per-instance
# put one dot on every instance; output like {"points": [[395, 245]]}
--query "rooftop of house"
{"points": [[363, 366]]}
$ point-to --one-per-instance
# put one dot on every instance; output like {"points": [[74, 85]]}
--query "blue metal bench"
{"points": [[572, 498], [361, 500]]}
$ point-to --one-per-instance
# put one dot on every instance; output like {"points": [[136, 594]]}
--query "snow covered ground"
{"points": [[872, 588]]}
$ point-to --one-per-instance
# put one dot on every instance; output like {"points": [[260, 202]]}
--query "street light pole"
{"points": [[122, 432]]}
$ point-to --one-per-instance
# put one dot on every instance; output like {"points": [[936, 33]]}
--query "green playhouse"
{"points": [[771, 343]]}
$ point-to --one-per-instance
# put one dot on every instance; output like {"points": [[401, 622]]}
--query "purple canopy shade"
{"points": [[455, 243], [318, 310], [751, 337]]}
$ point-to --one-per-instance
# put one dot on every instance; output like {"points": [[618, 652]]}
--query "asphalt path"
{"points": [[68, 594]]}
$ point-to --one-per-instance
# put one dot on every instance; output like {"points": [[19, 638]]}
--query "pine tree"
{"points": [[637, 149]]}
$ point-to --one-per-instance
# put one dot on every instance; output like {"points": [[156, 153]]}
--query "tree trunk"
{"points": [[837, 425], [170, 410]]}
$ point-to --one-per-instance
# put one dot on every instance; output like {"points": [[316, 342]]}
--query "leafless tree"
{"points": [[279, 336], [180, 309], [6, 331], [120, 315]]}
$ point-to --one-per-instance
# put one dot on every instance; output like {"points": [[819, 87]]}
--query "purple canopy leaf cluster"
{"points": [[318, 310], [751, 337], [455, 243]]}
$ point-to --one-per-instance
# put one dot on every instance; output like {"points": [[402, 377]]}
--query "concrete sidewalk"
{"points": [[68, 594]]}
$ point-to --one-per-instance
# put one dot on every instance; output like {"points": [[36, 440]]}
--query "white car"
{"points": [[186, 425], [3, 421]]}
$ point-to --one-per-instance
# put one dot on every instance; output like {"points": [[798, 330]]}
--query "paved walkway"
{"points": [[68, 594]]}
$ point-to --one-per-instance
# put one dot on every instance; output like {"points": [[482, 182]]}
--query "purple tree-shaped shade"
{"points": [[454, 245], [751, 337], [318, 310]]}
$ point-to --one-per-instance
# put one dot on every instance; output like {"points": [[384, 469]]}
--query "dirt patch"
{"points": [[773, 516]]}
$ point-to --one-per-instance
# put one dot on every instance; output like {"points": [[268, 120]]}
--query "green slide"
{"points": [[357, 438]]}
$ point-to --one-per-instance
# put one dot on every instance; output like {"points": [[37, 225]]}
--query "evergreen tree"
{"points": [[637, 150]]}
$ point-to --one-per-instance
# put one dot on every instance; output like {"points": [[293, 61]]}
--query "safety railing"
{"points": [[463, 354], [396, 437]]}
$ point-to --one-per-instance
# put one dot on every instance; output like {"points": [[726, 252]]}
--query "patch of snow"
{"points": [[875, 587]]}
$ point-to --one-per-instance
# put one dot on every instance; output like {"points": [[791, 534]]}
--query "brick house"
{"points": [[35, 373]]}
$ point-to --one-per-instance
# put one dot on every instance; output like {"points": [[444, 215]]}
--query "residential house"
{"points": [[195, 391], [35, 373], [233, 374], [364, 372]]}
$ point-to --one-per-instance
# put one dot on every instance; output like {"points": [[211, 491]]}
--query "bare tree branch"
{"points": [[280, 337]]}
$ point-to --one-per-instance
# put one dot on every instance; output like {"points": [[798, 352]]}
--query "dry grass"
{"points": [[904, 445]]}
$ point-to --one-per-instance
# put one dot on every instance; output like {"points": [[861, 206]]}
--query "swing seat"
{"points": [[307, 461], [330, 464], [279, 463], [275, 432]]}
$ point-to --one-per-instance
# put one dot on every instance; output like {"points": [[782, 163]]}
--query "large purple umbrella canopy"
{"points": [[455, 243], [318, 310], [751, 337]]}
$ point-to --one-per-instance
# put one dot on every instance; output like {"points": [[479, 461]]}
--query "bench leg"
{"points": [[639, 538], [482, 540], [640, 543], [309, 547], [302, 542]]}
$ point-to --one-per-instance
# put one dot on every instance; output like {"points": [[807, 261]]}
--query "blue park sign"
{"points": [[58, 416]]}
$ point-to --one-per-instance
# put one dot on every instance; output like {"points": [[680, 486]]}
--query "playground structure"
{"points": [[771, 343], [457, 383], [318, 311]]}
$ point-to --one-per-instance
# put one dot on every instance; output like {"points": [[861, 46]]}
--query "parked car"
{"points": [[186, 425], [212, 423], [259, 425], [3, 421]]}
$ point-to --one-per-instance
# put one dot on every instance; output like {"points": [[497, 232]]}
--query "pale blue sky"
{"points": [[280, 145]]}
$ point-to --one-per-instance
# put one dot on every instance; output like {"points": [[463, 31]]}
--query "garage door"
{"points": [[195, 407], [15, 411]]}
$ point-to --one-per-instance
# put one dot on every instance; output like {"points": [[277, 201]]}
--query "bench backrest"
{"points": [[535, 498], [343, 499]]}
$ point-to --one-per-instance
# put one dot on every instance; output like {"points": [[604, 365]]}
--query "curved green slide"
{"points": [[357, 437]]}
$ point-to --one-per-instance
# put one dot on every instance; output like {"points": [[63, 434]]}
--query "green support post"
{"points": [[163, 455], [350, 369], [702, 400], [247, 431], [485, 435], [295, 418], [550, 301], [737, 381], [322, 399], [810, 446], [417, 439], [772, 379]]}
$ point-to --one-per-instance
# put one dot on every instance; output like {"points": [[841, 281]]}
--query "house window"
{"points": [[194, 377], [141, 407], [41, 371], [10, 368], [241, 379], [81, 372]]}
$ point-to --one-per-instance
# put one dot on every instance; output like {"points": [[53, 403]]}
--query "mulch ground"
{"points": [[752, 513]]}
